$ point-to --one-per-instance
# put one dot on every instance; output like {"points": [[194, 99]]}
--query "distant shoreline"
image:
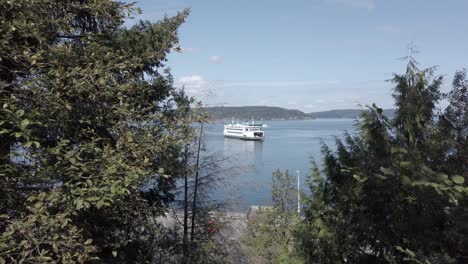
{"points": [[260, 119], [269, 113]]}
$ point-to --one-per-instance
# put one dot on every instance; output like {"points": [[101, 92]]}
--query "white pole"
{"points": [[298, 195]]}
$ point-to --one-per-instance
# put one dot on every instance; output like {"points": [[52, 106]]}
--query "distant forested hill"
{"points": [[346, 113], [257, 112], [269, 113]]}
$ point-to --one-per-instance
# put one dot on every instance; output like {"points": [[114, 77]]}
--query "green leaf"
{"points": [[411, 253], [399, 150], [442, 176], [24, 123], [20, 112], [405, 180], [112, 170], [114, 253], [360, 177], [89, 182], [405, 164], [422, 183], [380, 177], [79, 204], [400, 249], [458, 179], [161, 171], [100, 203], [387, 171]]}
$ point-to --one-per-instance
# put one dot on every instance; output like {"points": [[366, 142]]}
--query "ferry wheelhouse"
{"points": [[247, 131]]}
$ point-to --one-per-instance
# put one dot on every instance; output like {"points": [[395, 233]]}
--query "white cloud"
{"points": [[193, 84], [364, 4], [215, 59]]}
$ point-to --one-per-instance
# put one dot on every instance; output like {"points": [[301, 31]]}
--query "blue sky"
{"points": [[309, 55]]}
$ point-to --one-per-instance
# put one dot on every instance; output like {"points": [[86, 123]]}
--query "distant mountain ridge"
{"points": [[346, 113], [256, 112], [278, 113]]}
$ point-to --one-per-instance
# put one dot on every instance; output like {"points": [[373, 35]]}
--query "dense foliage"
{"points": [[392, 192], [91, 133], [396, 191], [269, 235]]}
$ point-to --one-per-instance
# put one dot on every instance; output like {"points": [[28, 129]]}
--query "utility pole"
{"points": [[298, 195]]}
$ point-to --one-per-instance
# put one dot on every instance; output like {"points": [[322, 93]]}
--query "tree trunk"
{"points": [[194, 208], [186, 175]]}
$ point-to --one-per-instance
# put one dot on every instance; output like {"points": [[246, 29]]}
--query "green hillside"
{"points": [[271, 113], [345, 113], [256, 112]]}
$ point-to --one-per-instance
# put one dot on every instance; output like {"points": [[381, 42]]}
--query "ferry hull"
{"points": [[245, 138]]}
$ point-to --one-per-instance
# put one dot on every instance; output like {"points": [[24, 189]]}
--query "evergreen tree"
{"points": [[454, 122], [386, 195]]}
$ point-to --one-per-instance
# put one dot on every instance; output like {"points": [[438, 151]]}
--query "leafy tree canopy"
{"points": [[91, 131]]}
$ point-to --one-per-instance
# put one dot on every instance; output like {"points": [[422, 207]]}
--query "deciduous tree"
{"points": [[91, 131]]}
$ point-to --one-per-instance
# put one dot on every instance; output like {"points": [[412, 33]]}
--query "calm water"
{"points": [[248, 165]]}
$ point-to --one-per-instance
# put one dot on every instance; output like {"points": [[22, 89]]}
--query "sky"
{"points": [[311, 55]]}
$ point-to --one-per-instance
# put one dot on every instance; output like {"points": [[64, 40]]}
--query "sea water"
{"points": [[246, 167]]}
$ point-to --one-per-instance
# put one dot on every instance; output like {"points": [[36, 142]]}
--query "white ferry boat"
{"points": [[247, 131]]}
